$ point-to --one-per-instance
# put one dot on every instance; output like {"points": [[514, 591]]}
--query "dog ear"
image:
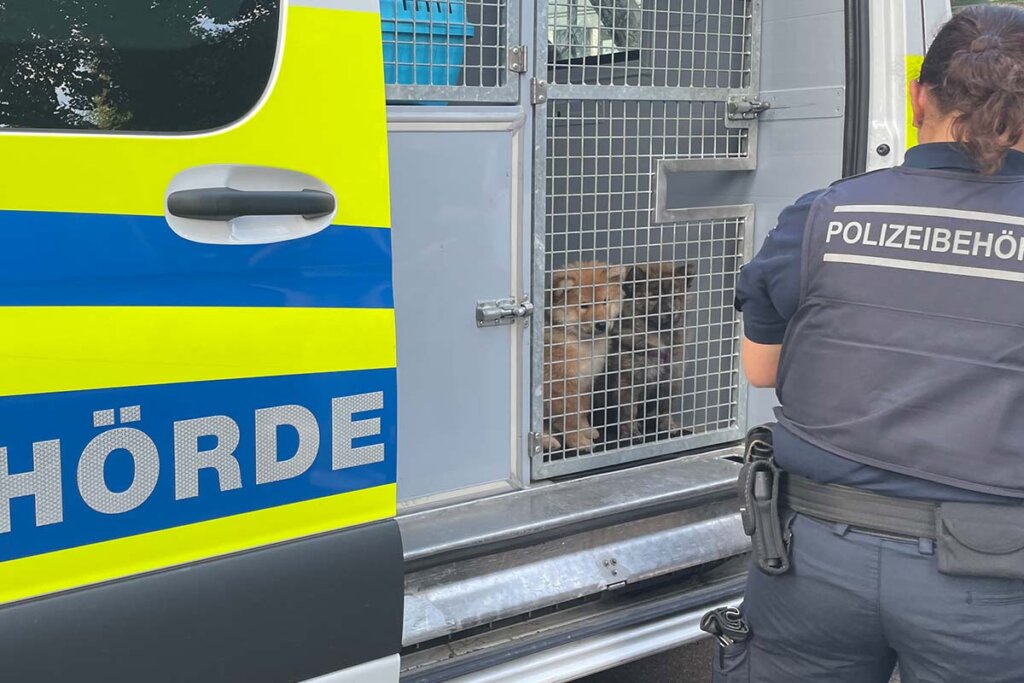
{"points": [[563, 280], [628, 285], [686, 273], [561, 283], [616, 274], [633, 273]]}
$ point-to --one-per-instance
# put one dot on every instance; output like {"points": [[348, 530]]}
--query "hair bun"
{"points": [[986, 42]]}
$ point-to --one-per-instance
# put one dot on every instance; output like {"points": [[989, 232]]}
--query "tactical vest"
{"points": [[907, 349]]}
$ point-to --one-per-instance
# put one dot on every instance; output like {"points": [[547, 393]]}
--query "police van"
{"points": [[357, 340]]}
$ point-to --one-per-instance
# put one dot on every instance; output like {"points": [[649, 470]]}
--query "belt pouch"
{"points": [[974, 539]]}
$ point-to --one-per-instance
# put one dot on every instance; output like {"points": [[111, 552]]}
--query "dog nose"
{"points": [[601, 326]]}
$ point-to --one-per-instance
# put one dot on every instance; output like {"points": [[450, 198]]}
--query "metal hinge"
{"points": [[518, 59], [502, 312], [538, 91], [745, 108]]}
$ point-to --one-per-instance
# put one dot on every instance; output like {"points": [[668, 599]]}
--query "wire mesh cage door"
{"points": [[451, 51], [636, 347]]}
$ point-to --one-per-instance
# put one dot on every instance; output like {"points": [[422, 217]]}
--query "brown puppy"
{"points": [[584, 302]]}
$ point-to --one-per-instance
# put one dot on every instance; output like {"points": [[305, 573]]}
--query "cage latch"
{"points": [[746, 108], [502, 312]]}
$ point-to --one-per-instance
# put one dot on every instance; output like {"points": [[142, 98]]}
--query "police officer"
{"points": [[888, 312]]}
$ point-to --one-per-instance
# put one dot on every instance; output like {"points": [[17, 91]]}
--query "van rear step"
{"points": [[567, 643], [490, 560]]}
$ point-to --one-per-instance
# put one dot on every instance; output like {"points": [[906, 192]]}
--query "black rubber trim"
{"points": [[640, 614], [285, 613], [858, 88], [225, 203]]}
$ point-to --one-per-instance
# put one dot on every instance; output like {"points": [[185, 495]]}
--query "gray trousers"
{"points": [[853, 604]]}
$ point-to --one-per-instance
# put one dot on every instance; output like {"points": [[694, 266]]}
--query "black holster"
{"points": [[759, 492]]}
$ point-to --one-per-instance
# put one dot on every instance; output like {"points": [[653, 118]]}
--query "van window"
{"points": [[134, 65]]}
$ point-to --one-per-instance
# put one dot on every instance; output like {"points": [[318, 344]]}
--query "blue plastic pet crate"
{"points": [[424, 41]]}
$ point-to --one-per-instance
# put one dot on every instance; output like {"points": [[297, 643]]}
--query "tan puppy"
{"points": [[584, 303]]}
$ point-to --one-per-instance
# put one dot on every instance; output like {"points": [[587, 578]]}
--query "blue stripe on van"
{"points": [[69, 418], [71, 259]]}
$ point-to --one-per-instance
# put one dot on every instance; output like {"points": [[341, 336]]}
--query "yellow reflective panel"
{"points": [[84, 565], [68, 348], [914, 63]]}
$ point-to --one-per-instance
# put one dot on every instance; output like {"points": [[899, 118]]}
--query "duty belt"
{"points": [[871, 512], [970, 539], [771, 498]]}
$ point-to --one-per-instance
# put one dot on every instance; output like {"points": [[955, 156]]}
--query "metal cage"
{"points": [[457, 51], [636, 346]]}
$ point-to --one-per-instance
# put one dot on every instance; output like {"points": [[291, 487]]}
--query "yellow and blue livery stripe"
{"points": [[104, 308], [56, 258], [87, 545]]}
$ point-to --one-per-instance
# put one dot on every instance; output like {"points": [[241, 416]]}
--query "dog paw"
{"points": [[672, 428], [579, 441], [551, 443]]}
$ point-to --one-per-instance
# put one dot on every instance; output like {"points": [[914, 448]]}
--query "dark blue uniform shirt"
{"points": [[768, 294]]}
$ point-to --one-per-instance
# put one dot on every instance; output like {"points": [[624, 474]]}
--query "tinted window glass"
{"points": [[133, 65]]}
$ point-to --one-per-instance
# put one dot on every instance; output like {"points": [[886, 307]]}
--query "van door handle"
{"points": [[226, 204]]}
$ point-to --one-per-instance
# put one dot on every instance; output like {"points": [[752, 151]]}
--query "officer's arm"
{"points": [[768, 292], [760, 363]]}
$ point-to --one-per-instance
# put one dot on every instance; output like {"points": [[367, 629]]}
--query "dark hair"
{"points": [[975, 69]]}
